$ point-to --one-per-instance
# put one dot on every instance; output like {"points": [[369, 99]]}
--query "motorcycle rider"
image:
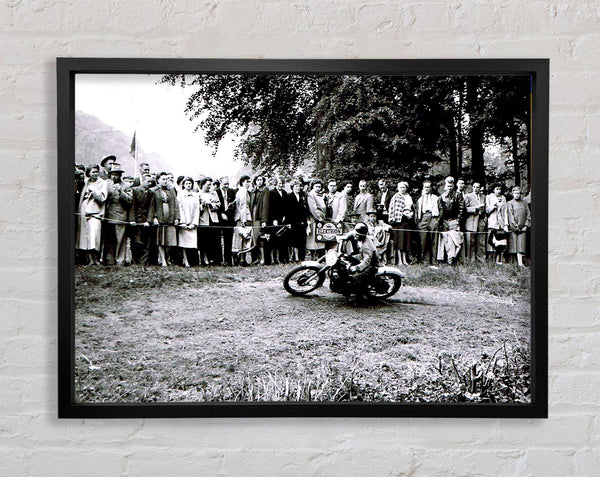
{"points": [[364, 271]]}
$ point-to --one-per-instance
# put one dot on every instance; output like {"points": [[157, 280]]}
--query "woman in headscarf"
{"points": [[189, 212], [91, 212]]}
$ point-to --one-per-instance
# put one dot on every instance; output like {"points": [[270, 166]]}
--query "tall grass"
{"points": [[497, 280], [501, 378]]}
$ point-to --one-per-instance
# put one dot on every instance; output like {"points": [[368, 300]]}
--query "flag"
{"points": [[132, 151]]}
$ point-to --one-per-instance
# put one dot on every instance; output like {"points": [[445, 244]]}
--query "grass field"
{"points": [[233, 334]]}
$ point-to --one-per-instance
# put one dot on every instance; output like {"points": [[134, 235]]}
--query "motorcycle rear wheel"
{"points": [[302, 280], [393, 285]]}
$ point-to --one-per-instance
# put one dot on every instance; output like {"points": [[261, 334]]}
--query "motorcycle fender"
{"points": [[390, 271], [311, 263]]}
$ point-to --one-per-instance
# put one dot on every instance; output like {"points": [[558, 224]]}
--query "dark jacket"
{"points": [[296, 211], [388, 198], [277, 201], [229, 211], [259, 205], [156, 207], [142, 197], [452, 207]]}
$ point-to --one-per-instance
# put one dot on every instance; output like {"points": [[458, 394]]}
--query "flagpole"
{"points": [[133, 152], [137, 171]]}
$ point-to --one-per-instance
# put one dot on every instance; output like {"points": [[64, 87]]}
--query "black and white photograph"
{"points": [[303, 238]]}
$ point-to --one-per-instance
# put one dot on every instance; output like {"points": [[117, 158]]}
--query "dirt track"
{"points": [[196, 341]]}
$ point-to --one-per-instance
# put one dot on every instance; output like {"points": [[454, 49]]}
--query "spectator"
{"points": [[452, 210], [118, 202], [164, 213], [91, 212], [382, 200], [461, 189], [519, 220], [401, 217], [78, 185], [226, 214], [316, 214], [129, 228], [208, 235], [335, 203], [277, 212], [141, 198], [259, 207], [427, 215], [296, 217], [106, 163], [380, 234], [347, 193], [495, 209], [242, 233], [363, 201], [475, 224], [189, 213], [144, 168]]}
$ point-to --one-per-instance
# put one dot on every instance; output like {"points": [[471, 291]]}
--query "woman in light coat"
{"points": [[497, 223], [242, 233], [91, 212], [189, 211]]}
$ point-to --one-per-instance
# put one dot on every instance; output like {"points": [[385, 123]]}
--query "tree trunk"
{"points": [[459, 132], [321, 156], [477, 166], [454, 171], [528, 149], [515, 154], [476, 131]]}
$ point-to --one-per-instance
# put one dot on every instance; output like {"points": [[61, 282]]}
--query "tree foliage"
{"points": [[351, 126]]}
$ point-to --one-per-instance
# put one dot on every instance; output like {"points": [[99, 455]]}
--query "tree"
{"points": [[269, 113], [355, 126], [508, 120]]}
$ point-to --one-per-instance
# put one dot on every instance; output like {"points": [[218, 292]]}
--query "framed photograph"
{"points": [[273, 238]]}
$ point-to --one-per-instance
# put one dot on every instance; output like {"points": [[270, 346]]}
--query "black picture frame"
{"points": [[538, 69]]}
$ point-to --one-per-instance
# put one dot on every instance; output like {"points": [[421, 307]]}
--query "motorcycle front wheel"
{"points": [[385, 286], [302, 280]]}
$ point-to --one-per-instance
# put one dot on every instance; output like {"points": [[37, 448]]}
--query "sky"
{"points": [[134, 102]]}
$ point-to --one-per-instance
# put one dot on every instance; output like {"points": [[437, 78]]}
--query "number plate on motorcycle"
{"points": [[328, 231]]}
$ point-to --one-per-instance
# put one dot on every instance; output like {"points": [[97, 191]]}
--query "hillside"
{"points": [[95, 139]]}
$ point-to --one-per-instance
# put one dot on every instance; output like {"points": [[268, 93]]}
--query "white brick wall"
{"points": [[33, 442]]}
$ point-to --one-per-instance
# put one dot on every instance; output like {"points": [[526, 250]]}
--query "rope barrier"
{"points": [[281, 226], [136, 224]]}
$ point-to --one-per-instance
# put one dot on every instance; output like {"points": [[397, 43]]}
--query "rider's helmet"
{"points": [[361, 230]]}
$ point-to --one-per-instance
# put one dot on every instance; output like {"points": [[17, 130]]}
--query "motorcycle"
{"points": [[335, 265]]}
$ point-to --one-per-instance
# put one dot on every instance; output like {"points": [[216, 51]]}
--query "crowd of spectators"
{"points": [[157, 219]]}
